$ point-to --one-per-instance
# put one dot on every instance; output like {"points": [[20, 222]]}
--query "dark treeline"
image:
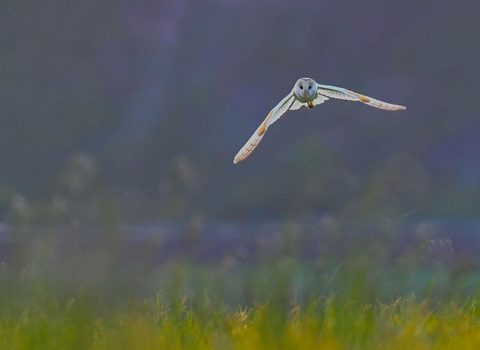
{"points": [[124, 111]]}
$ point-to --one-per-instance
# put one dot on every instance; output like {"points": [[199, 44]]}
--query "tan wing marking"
{"points": [[362, 98], [253, 141], [263, 127], [345, 94]]}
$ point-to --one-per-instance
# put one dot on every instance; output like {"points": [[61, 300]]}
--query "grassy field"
{"points": [[198, 307], [326, 323], [289, 291]]}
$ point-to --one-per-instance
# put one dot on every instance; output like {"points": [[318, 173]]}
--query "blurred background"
{"points": [[119, 121]]}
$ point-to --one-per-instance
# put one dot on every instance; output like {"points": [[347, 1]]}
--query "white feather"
{"points": [[257, 136], [345, 94], [297, 105]]}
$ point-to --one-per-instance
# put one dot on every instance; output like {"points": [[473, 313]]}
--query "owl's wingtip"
{"points": [[399, 108]]}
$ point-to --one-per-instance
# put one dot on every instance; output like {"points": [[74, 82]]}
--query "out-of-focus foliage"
{"points": [[239, 285], [196, 323], [352, 293], [246, 263], [158, 96]]}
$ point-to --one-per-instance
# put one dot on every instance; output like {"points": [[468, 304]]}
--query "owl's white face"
{"points": [[305, 89]]}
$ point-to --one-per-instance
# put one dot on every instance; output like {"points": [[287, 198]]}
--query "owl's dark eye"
{"points": [[301, 87], [309, 87]]}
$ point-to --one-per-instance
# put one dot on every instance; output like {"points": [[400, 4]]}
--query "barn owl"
{"points": [[307, 92]]}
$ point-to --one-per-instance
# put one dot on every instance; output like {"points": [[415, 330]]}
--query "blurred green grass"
{"points": [[282, 287], [280, 304]]}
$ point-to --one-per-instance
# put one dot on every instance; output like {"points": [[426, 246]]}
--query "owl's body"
{"points": [[307, 92]]}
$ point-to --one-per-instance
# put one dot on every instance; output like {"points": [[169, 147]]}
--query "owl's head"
{"points": [[305, 89]]}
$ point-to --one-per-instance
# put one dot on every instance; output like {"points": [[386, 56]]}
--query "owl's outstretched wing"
{"points": [[345, 94], [271, 118]]}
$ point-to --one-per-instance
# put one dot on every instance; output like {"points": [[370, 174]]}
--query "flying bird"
{"points": [[306, 92]]}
